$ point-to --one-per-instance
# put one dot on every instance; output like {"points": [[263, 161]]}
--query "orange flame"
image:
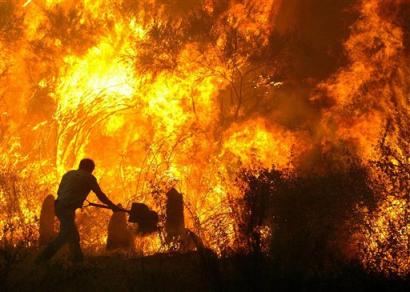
{"points": [[135, 86]]}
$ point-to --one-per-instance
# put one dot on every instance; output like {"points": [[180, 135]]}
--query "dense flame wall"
{"points": [[164, 94]]}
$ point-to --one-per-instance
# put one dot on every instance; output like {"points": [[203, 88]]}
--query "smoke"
{"points": [[190, 93]]}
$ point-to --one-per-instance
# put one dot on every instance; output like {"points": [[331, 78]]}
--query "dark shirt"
{"points": [[74, 188]]}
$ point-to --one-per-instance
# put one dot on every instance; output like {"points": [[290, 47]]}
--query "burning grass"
{"points": [[277, 125]]}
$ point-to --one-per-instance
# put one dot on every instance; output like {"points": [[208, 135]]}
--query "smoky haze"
{"points": [[192, 94]]}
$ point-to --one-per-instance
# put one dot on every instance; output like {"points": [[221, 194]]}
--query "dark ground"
{"points": [[182, 272]]}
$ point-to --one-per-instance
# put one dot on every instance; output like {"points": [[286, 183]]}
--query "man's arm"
{"points": [[103, 197]]}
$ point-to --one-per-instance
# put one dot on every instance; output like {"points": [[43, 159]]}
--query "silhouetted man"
{"points": [[72, 192]]}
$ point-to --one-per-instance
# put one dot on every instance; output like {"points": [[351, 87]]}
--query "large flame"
{"points": [[162, 95]]}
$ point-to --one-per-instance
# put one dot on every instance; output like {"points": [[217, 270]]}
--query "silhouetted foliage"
{"points": [[160, 50], [75, 31], [11, 23], [310, 216]]}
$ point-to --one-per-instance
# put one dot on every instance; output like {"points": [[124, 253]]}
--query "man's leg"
{"points": [[66, 218], [74, 245]]}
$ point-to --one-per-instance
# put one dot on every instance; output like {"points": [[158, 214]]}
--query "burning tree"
{"points": [[195, 95]]}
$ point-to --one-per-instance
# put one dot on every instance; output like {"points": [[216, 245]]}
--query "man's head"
{"points": [[87, 165]]}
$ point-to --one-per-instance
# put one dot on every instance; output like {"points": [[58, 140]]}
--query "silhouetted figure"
{"points": [[174, 225], [119, 237], [47, 218], [72, 192], [182, 238]]}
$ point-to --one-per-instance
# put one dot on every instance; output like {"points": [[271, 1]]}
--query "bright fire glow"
{"points": [[158, 103]]}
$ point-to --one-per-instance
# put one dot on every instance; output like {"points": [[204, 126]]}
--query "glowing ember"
{"points": [[191, 97]]}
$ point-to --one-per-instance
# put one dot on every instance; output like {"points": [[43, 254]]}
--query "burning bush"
{"points": [[163, 94]]}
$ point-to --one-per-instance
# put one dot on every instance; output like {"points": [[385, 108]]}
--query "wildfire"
{"points": [[162, 97]]}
